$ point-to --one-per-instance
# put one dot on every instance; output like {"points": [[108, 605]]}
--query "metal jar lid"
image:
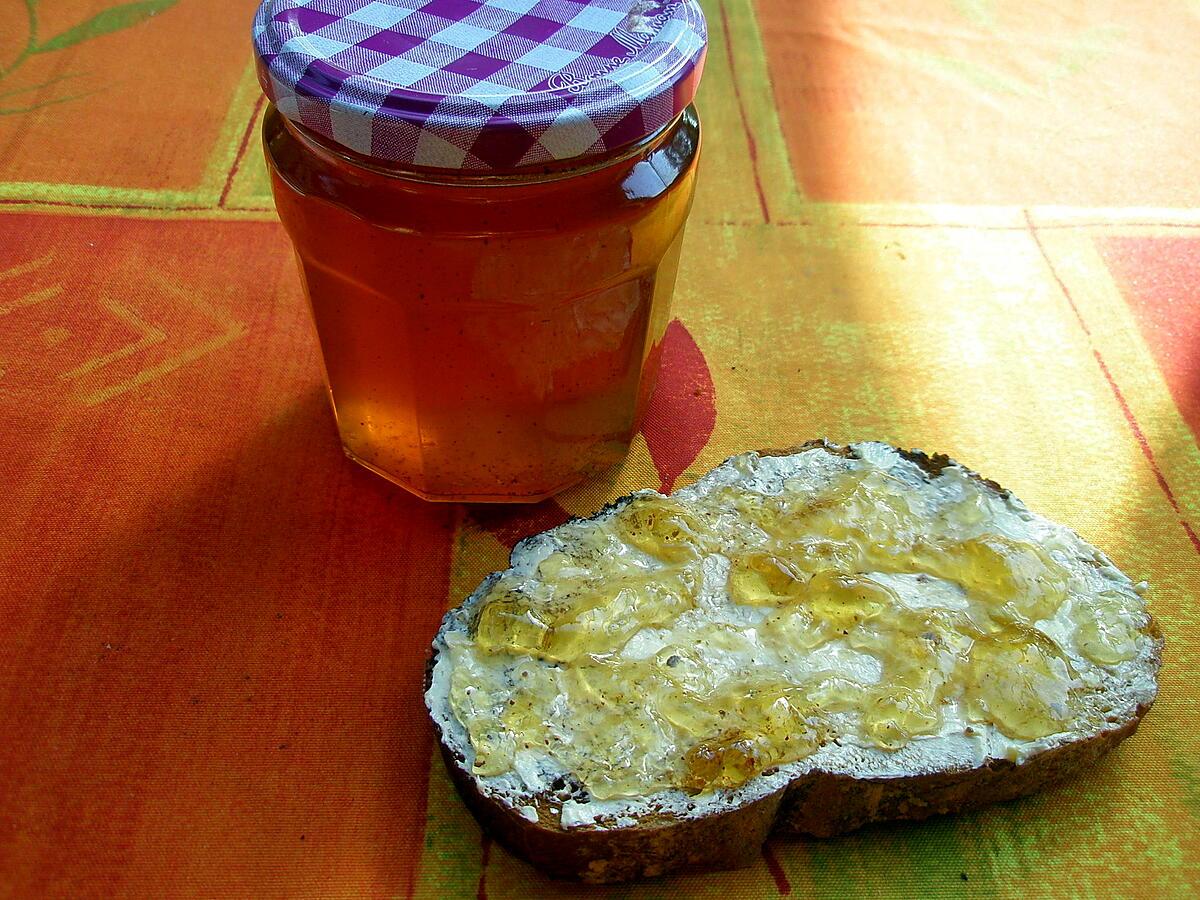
{"points": [[480, 85]]}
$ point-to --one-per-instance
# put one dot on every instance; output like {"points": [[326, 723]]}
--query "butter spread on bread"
{"points": [[853, 611]]}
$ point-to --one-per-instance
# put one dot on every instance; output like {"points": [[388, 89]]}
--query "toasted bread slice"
{"points": [[806, 640]]}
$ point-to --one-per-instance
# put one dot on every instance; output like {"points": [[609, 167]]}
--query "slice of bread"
{"points": [[806, 640]]}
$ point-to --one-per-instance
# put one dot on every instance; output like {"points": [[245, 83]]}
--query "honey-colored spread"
{"points": [[516, 353], [694, 641]]}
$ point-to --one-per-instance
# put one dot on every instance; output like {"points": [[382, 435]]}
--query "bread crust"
{"points": [[817, 804]]}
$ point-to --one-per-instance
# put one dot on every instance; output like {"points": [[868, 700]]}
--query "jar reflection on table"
{"points": [[487, 338]]}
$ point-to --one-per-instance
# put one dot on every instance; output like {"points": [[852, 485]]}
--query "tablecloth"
{"points": [[962, 225]]}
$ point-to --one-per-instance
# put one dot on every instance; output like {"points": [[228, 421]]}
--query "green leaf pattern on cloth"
{"points": [[116, 18]]}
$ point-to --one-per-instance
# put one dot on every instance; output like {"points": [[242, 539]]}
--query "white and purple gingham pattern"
{"points": [[480, 84]]}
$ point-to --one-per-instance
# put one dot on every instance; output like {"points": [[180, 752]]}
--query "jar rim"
{"points": [[562, 169]]}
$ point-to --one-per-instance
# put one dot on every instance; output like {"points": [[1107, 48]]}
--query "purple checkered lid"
{"points": [[480, 84]]}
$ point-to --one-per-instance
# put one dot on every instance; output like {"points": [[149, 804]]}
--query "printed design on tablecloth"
{"points": [[679, 421], [48, 342], [115, 18], [1159, 277], [1064, 58], [30, 297]]}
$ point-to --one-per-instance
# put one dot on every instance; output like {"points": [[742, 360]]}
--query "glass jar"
{"points": [[488, 333], [487, 337]]}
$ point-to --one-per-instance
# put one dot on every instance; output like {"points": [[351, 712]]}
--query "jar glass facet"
{"points": [[487, 338]]}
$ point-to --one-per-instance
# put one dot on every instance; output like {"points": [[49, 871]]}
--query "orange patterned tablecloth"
{"points": [[964, 225]]}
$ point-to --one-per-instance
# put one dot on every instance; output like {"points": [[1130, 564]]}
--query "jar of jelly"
{"points": [[487, 200]]}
